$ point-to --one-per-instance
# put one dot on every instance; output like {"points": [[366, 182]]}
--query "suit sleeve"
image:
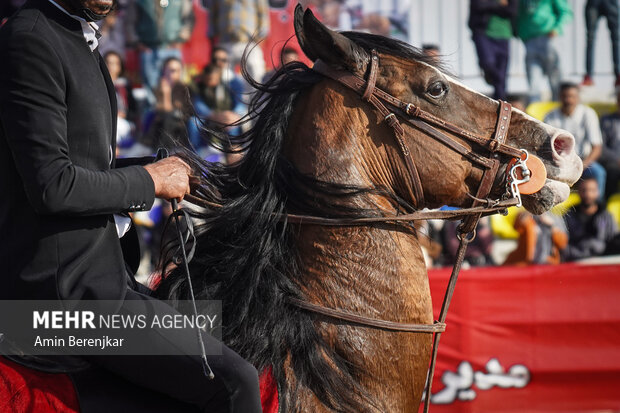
{"points": [[33, 114], [125, 162]]}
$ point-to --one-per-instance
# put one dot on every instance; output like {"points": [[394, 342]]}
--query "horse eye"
{"points": [[437, 89]]}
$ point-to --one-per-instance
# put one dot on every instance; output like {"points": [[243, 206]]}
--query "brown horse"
{"points": [[318, 149]]}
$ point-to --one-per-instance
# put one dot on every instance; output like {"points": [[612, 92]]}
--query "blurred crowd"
{"points": [[160, 99], [586, 225]]}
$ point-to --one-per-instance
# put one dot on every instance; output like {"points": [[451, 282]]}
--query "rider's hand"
{"points": [[171, 178]]}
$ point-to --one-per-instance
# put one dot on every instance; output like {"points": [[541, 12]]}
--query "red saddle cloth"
{"points": [[23, 390], [268, 392]]}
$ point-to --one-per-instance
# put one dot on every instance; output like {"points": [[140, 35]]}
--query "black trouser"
{"points": [[234, 388], [595, 9], [493, 60]]}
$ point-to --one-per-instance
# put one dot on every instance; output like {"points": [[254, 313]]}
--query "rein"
{"points": [[492, 206]]}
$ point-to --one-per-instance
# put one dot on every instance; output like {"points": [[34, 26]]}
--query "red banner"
{"points": [[544, 338]]}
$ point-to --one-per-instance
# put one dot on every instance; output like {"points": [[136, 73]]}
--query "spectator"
{"points": [[590, 226], [158, 29], [582, 122], [124, 90], [169, 120], [112, 30], [518, 101], [610, 154], [540, 240], [172, 108], [221, 58], [386, 18], [331, 10], [613, 246], [479, 250], [539, 22], [213, 99], [171, 72], [288, 55], [595, 9], [491, 24], [239, 24], [214, 102], [125, 103]]}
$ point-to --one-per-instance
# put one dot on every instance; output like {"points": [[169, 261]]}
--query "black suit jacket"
{"points": [[59, 184]]}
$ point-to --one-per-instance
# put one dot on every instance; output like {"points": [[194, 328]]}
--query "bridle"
{"points": [[393, 110]]}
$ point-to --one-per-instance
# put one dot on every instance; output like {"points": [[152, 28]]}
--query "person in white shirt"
{"points": [[582, 121]]}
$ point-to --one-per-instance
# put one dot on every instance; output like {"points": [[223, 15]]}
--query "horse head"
{"points": [[446, 176]]}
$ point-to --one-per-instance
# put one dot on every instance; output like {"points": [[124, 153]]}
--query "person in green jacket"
{"points": [[539, 22]]}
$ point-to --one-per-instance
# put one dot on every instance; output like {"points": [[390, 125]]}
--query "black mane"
{"points": [[246, 254], [393, 47]]}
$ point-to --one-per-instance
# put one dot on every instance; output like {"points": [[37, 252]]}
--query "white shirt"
{"points": [[582, 123], [89, 30]]}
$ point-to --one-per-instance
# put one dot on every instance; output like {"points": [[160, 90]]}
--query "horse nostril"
{"points": [[563, 145]]}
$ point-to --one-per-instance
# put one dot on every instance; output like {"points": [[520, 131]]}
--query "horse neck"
{"points": [[359, 268], [337, 143]]}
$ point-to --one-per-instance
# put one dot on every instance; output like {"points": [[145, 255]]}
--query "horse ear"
{"points": [[319, 42], [298, 22]]}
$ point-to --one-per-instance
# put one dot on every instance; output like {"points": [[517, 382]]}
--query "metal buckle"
{"points": [[466, 236], [514, 181]]}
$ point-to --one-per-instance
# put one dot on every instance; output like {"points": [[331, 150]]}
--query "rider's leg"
{"points": [[234, 388]]}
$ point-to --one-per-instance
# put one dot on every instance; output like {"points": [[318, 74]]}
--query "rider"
{"points": [[64, 196]]}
